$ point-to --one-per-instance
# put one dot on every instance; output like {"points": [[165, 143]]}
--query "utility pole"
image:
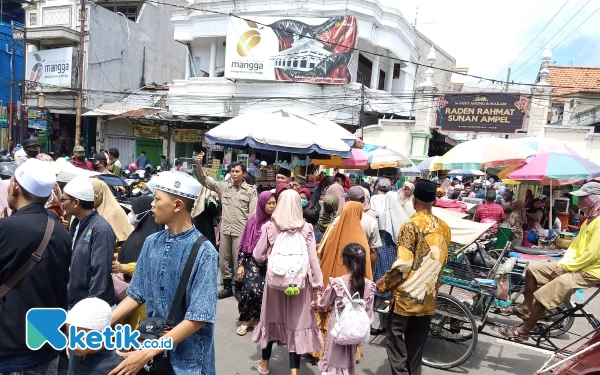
{"points": [[12, 90], [507, 79], [82, 16], [362, 110]]}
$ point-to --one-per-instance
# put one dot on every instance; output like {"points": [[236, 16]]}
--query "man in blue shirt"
{"points": [[157, 274], [142, 160]]}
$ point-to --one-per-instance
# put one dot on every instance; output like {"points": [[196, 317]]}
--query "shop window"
{"points": [[129, 11], [303, 64]]}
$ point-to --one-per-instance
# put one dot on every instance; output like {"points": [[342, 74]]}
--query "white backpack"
{"points": [[353, 326], [288, 264]]}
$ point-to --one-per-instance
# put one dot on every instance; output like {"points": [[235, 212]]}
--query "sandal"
{"points": [[514, 310], [259, 369], [512, 333], [242, 330]]}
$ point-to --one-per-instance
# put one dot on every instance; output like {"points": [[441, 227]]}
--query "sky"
{"points": [[487, 36]]}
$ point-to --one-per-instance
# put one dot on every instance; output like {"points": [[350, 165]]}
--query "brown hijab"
{"points": [[345, 230]]}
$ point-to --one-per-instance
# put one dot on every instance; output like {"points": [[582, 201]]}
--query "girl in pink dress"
{"points": [[341, 359]]}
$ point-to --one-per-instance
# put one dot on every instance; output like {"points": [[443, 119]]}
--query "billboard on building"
{"points": [[498, 113], [53, 67], [296, 49]]}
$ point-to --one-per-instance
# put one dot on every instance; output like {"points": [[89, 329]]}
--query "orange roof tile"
{"points": [[571, 79]]}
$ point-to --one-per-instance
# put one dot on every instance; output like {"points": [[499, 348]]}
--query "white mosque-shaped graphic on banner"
{"points": [[303, 55]]}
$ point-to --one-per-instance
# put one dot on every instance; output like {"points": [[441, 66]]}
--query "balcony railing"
{"points": [[586, 118]]}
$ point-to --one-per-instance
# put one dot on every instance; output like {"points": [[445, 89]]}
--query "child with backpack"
{"points": [[351, 298]]}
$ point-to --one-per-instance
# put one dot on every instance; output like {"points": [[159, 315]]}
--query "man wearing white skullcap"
{"points": [[94, 243], [91, 314], [157, 275], [45, 283]]}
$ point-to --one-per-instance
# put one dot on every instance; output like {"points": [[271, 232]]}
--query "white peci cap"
{"points": [[80, 188], [176, 183], [36, 178], [90, 313]]}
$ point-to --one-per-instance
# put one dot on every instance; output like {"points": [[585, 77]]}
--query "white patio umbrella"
{"points": [[284, 131]]}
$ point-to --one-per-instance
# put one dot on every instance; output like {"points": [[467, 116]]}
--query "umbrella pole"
{"points": [[551, 223]]}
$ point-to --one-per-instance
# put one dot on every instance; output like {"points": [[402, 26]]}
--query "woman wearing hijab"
{"points": [[338, 191], [528, 199], [517, 220], [249, 272], [304, 196], [330, 207], [206, 210], [107, 206], [320, 190], [280, 188], [288, 320], [390, 216], [143, 221], [406, 196], [345, 230]]}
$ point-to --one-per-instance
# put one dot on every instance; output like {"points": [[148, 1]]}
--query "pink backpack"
{"points": [[288, 264]]}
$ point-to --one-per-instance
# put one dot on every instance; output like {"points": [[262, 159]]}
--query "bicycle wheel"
{"points": [[565, 325], [452, 334]]}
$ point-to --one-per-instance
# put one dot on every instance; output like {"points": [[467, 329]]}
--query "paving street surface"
{"points": [[235, 354]]}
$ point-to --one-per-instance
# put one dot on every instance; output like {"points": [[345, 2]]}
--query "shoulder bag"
{"points": [[31, 262]]}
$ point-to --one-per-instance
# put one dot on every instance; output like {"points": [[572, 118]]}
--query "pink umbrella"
{"points": [[359, 159]]}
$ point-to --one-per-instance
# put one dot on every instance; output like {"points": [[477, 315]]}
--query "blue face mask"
{"points": [[304, 202]]}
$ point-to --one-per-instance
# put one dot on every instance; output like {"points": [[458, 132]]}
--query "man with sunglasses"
{"points": [[94, 244]]}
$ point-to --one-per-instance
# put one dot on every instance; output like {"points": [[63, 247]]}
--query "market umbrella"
{"points": [[556, 169], [285, 132], [546, 145], [467, 172], [383, 157], [485, 153], [359, 159], [412, 171], [431, 164]]}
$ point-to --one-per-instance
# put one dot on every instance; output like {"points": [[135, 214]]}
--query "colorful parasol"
{"points": [[485, 153], [467, 172], [557, 167], [431, 164], [546, 145]]}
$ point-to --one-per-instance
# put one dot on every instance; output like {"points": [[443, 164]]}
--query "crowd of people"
{"points": [[293, 257]]}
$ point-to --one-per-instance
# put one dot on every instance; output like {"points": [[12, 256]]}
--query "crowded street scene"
{"points": [[291, 187]]}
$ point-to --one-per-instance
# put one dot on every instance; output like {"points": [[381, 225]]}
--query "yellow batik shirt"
{"points": [[415, 276]]}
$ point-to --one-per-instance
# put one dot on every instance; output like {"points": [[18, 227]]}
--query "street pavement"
{"points": [[236, 355]]}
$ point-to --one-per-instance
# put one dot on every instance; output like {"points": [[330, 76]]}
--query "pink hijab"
{"points": [[288, 213], [338, 191]]}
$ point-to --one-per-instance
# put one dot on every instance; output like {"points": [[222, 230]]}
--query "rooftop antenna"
{"points": [[571, 62]]}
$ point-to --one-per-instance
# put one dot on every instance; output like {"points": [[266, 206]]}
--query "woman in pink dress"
{"points": [[341, 359], [288, 320]]}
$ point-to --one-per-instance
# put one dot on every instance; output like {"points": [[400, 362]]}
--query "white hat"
{"points": [[91, 313], [263, 163], [80, 188], [36, 178], [176, 183]]}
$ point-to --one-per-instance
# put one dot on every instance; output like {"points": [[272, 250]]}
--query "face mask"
{"points": [[132, 218], [32, 154], [81, 158], [304, 202], [96, 166]]}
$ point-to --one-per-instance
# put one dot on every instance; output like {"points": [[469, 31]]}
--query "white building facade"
{"points": [[381, 78]]}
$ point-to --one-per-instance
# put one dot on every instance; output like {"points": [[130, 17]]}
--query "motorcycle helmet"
{"points": [[7, 170], [133, 167], [5, 159]]}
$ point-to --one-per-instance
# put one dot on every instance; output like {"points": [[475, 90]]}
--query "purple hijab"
{"points": [[254, 224]]}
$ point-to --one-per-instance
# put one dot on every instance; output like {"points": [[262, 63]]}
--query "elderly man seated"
{"points": [[553, 283]]}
